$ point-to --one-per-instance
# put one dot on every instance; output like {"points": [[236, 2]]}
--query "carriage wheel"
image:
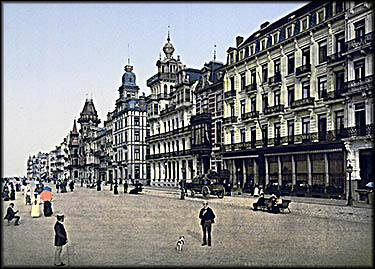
{"points": [[205, 191]]}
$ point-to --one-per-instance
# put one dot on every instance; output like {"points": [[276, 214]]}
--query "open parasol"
{"points": [[46, 195]]}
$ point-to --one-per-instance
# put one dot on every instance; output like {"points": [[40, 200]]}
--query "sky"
{"points": [[56, 54]]}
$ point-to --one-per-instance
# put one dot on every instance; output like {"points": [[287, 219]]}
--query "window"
{"points": [[304, 24], [136, 154], [232, 137], [305, 125], [277, 66], [322, 127], [165, 89], [187, 95], [243, 107], [218, 132], [265, 101], [253, 77], [265, 72], [290, 131], [277, 133], [263, 44], [275, 36], [219, 103], [156, 110], [320, 16], [322, 87], [340, 42], [136, 135], [243, 81], [290, 95], [243, 135], [289, 31], [306, 56], [339, 82], [136, 120], [276, 95], [232, 110], [339, 123], [232, 83], [359, 70], [305, 90], [359, 28], [360, 119], [290, 64], [253, 136], [265, 134], [338, 6], [253, 104], [322, 52]]}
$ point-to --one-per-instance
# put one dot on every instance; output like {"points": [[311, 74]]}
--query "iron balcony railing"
{"points": [[251, 88], [360, 42], [358, 85], [304, 69], [275, 79], [229, 94], [230, 120], [274, 109], [303, 102]]}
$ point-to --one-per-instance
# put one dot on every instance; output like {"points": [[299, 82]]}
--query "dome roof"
{"points": [[168, 48], [128, 78]]}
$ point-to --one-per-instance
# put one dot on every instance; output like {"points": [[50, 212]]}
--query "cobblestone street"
{"points": [[142, 230]]}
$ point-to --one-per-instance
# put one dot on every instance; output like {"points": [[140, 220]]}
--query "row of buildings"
{"points": [[292, 107]]}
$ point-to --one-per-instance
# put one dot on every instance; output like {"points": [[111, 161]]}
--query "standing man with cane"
{"points": [[60, 239]]}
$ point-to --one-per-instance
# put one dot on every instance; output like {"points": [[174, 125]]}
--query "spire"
{"points": [[74, 127], [168, 47], [214, 52], [128, 55], [168, 39]]}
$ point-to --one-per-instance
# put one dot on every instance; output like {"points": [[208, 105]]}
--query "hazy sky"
{"points": [[56, 53]]}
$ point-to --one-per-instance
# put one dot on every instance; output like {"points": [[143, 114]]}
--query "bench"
{"points": [[283, 206]]}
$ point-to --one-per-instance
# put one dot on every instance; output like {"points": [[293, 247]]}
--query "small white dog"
{"points": [[180, 243]]}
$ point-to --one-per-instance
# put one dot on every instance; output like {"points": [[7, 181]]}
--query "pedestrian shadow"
{"points": [[194, 235]]}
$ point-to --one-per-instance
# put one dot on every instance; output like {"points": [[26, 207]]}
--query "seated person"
{"points": [[272, 203], [279, 202], [261, 202]]}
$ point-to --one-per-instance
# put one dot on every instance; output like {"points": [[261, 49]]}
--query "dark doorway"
{"points": [[366, 160]]}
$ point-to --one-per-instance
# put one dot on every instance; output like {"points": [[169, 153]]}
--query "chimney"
{"points": [[239, 40], [264, 24]]}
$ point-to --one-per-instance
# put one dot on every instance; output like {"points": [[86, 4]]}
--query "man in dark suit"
{"points": [[11, 214], [60, 239], [207, 217]]}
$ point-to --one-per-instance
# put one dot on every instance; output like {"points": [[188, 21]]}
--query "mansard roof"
{"points": [[284, 20]]}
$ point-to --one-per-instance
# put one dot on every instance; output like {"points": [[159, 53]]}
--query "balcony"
{"points": [[230, 120], [303, 70], [364, 130], [273, 109], [275, 79], [230, 94], [303, 102], [201, 149], [251, 88], [306, 138], [201, 118], [336, 58], [168, 110], [250, 115], [359, 85], [360, 43]]}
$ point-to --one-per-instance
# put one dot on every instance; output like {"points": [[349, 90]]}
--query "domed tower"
{"points": [[168, 48], [129, 88]]}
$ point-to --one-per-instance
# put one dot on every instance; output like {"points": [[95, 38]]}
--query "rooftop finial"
{"points": [[168, 39], [214, 52], [128, 54]]}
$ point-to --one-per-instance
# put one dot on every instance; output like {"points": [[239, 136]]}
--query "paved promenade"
{"points": [[141, 230]]}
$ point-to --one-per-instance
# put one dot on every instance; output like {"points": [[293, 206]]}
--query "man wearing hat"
{"points": [[60, 239], [11, 214], [207, 217]]}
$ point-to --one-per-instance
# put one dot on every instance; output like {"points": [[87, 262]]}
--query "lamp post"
{"points": [[183, 184], [349, 169]]}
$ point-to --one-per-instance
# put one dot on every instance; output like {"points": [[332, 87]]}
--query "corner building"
{"points": [[170, 107], [284, 104]]}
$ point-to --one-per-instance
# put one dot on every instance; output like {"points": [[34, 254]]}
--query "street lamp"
{"points": [[349, 169], [183, 184]]}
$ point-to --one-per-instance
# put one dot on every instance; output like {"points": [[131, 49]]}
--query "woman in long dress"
{"points": [[35, 208]]}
